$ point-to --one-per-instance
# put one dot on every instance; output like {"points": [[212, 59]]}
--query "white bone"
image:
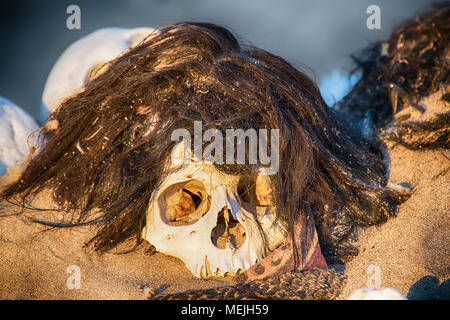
{"points": [[68, 75], [15, 129], [374, 294]]}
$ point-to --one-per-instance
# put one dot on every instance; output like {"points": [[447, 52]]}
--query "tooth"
{"points": [[228, 274], [218, 273], [201, 273], [207, 267]]}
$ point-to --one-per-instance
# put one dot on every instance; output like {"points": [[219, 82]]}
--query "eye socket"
{"points": [[246, 189], [255, 190], [184, 203]]}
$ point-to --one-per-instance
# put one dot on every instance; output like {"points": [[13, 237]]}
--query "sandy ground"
{"points": [[410, 252], [34, 264]]}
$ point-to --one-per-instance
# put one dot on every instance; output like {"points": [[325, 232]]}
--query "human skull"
{"points": [[207, 219]]}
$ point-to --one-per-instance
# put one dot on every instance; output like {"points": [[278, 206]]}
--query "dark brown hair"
{"points": [[113, 138], [412, 64]]}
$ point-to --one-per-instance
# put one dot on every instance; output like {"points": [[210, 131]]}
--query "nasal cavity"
{"points": [[228, 232]]}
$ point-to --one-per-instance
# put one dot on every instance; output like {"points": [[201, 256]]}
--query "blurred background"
{"points": [[319, 34]]}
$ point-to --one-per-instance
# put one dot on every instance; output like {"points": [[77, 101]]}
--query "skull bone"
{"points": [[198, 215]]}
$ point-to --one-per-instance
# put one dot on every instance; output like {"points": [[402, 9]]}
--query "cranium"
{"points": [[210, 220]]}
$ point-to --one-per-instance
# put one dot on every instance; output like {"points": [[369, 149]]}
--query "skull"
{"points": [[210, 221]]}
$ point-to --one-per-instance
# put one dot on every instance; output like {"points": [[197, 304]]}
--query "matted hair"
{"points": [[414, 63], [114, 138]]}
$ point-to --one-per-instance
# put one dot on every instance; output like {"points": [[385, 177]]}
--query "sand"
{"points": [[411, 251]]}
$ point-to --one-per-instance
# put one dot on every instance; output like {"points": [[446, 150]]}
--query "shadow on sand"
{"points": [[429, 288]]}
